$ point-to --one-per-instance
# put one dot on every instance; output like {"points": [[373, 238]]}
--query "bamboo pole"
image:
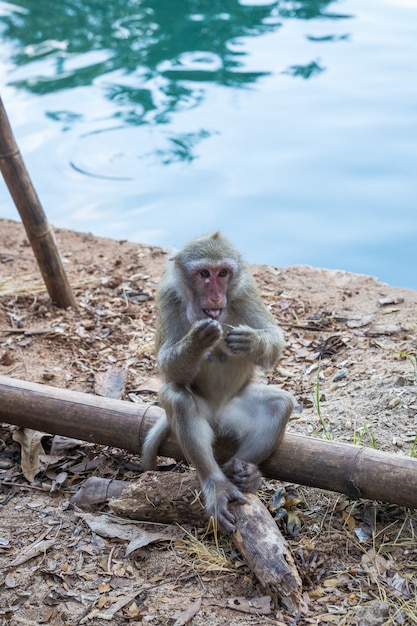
{"points": [[357, 471], [34, 220]]}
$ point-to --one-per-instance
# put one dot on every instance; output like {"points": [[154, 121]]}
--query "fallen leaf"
{"points": [[374, 564], [59, 481], [111, 383], [189, 613], [363, 321], [399, 584], [133, 612], [383, 329], [61, 444], [116, 606], [152, 384], [35, 549], [318, 592], [256, 606], [9, 581], [349, 520], [30, 442], [112, 528], [96, 490], [144, 539]]}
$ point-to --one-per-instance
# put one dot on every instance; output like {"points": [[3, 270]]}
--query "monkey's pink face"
{"points": [[210, 284]]}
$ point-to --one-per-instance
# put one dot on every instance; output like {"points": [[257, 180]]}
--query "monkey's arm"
{"points": [[180, 361], [263, 345]]}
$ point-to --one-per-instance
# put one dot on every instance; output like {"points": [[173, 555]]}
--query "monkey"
{"points": [[213, 333]]}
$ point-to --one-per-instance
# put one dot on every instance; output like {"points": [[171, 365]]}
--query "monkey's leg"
{"points": [[257, 418], [190, 418]]}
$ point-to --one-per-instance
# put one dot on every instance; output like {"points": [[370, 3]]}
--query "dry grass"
{"points": [[203, 554]]}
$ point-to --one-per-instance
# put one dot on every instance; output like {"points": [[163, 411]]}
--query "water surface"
{"points": [[291, 126]]}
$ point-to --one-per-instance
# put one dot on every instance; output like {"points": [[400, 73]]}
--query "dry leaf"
{"points": [[35, 549], [374, 564], [96, 490], [112, 528], [152, 385], [255, 606], [363, 321], [318, 592], [59, 481], [133, 612], [61, 444], [145, 538], [349, 520], [31, 444], [189, 613], [116, 606], [9, 581], [111, 383], [383, 329], [399, 584]]}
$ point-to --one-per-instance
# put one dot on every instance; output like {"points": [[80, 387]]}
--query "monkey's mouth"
{"points": [[213, 313]]}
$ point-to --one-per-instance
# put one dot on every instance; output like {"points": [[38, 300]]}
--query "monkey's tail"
{"points": [[153, 440]]}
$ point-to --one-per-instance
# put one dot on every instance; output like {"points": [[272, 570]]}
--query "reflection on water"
{"points": [[290, 124]]}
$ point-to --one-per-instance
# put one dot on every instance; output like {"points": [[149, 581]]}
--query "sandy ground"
{"points": [[351, 364]]}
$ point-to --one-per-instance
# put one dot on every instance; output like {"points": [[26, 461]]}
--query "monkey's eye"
{"points": [[204, 273], [224, 272]]}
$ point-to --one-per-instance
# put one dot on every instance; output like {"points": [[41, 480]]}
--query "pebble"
{"points": [[394, 402], [339, 376]]}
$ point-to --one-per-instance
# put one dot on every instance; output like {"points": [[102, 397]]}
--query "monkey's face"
{"points": [[209, 285]]}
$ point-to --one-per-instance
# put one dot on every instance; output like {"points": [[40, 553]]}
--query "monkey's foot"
{"points": [[244, 475]]}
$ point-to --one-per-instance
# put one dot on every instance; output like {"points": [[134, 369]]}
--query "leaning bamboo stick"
{"points": [[38, 230], [356, 471]]}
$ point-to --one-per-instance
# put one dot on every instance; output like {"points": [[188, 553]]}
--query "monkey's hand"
{"points": [[205, 333], [242, 339], [218, 494]]}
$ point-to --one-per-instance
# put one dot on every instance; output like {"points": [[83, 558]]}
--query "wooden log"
{"points": [[38, 230], [164, 497], [266, 551], [357, 471], [172, 497]]}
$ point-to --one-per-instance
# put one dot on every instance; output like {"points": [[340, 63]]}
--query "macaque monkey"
{"points": [[213, 331]]}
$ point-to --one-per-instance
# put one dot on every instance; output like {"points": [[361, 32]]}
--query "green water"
{"points": [[291, 126]]}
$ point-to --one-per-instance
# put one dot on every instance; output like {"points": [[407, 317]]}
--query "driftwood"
{"points": [[171, 497], [34, 220], [357, 471]]}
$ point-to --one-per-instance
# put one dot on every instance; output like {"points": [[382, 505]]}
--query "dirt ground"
{"points": [[351, 364]]}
